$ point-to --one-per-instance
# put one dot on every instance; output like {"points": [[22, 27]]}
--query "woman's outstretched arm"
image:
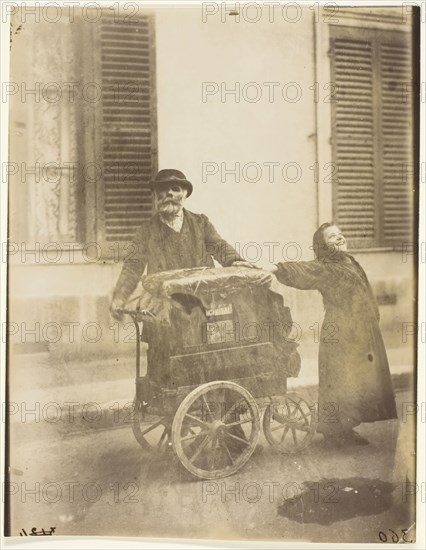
{"points": [[302, 275]]}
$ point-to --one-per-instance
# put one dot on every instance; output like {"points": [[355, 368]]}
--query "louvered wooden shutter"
{"points": [[396, 111], [371, 136], [128, 123], [353, 139]]}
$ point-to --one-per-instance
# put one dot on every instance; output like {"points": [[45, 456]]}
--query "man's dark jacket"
{"points": [[159, 248]]}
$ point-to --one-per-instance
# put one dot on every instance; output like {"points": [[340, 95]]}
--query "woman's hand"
{"points": [[241, 263], [271, 269]]}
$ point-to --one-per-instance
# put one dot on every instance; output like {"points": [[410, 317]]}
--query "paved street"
{"points": [[101, 484]]}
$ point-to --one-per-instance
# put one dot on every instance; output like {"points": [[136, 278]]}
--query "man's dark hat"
{"points": [[170, 176]]}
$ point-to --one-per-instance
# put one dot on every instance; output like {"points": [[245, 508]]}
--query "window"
{"points": [[125, 132], [372, 135]]}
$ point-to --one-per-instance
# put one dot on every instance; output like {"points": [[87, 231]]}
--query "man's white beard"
{"points": [[169, 209]]}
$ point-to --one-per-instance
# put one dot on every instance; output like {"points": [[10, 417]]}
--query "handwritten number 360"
{"points": [[395, 537]]}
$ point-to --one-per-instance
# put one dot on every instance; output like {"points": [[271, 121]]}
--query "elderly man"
{"points": [[174, 238]]}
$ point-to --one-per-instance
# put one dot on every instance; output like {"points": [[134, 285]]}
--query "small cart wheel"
{"points": [[151, 431], [289, 423], [216, 429]]}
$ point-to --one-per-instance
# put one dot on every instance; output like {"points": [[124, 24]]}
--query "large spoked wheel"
{"points": [[289, 423], [216, 429], [151, 431]]}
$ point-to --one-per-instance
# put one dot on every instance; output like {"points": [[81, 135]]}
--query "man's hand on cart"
{"points": [[117, 309]]}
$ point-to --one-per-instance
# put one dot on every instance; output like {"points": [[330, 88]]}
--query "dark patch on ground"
{"points": [[329, 500]]}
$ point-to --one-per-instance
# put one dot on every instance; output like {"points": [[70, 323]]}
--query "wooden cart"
{"points": [[218, 359]]}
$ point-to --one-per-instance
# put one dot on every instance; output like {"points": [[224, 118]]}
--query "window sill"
{"points": [[55, 255], [374, 250]]}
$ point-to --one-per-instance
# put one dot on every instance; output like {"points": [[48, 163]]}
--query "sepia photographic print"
{"points": [[212, 267]]}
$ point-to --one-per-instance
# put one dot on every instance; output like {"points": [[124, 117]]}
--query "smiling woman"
{"points": [[354, 379], [327, 241], [333, 237]]}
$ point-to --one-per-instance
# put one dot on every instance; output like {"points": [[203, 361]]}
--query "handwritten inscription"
{"points": [[35, 533]]}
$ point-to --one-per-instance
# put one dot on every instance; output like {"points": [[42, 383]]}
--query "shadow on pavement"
{"points": [[329, 500]]}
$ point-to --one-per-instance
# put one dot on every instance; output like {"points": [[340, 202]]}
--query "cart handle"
{"points": [[138, 314]]}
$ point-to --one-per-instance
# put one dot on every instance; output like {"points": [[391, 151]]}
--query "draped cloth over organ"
{"points": [[354, 379], [201, 312]]}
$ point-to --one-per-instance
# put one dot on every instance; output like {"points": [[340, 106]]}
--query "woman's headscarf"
{"points": [[321, 250], [341, 264]]}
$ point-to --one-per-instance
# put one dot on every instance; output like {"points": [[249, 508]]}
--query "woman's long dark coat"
{"points": [[354, 379]]}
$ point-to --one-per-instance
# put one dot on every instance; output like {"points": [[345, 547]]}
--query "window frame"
{"points": [[375, 37], [92, 194], [323, 79]]}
